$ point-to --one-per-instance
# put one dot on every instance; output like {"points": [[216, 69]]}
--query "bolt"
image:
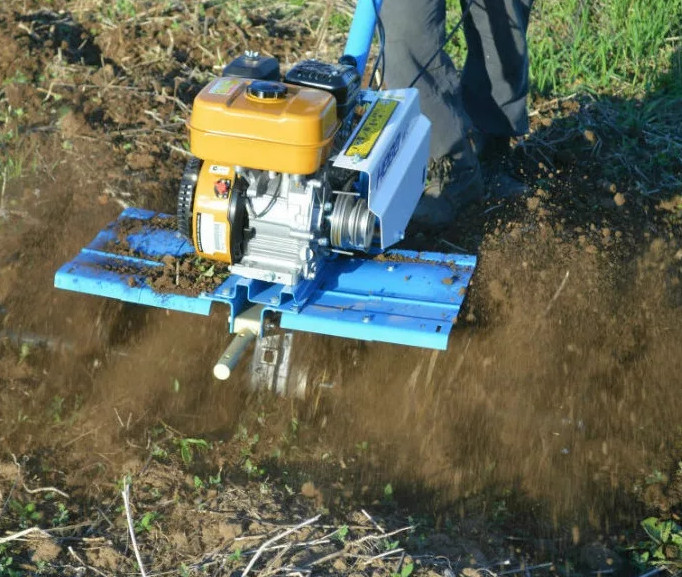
{"points": [[274, 300], [327, 206], [356, 158], [366, 319], [390, 268]]}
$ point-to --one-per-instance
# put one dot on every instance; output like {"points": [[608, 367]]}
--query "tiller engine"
{"points": [[277, 185]]}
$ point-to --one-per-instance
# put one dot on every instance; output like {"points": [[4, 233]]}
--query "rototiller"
{"points": [[298, 186]]}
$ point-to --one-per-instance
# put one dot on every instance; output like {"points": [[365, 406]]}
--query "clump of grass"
{"points": [[607, 46], [622, 47]]}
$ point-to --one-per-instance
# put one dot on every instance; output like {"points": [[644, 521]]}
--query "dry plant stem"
{"points": [[372, 521], [46, 490], [652, 572], [384, 554], [390, 534], [20, 534], [557, 293], [276, 538], [2, 191], [527, 569], [126, 503]]}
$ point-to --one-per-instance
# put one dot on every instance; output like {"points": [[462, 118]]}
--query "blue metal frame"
{"points": [[402, 297], [361, 32]]}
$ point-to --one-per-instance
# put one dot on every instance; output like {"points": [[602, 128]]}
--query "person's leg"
{"points": [[495, 77], [415, 31]]}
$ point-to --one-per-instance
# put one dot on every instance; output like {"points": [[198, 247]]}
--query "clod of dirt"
{"points": [[45, 551]]}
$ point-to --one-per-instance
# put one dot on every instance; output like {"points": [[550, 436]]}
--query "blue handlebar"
{"points": [[361, 32]]}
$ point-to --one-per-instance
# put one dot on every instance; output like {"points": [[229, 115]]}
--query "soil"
{"points": [[186, 275], [541, 437]]}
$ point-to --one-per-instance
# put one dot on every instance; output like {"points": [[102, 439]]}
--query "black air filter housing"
{"points": [[342, 80]]}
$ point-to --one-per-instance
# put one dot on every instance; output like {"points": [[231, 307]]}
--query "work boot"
{"points": [[452, 183], [493, 152]]}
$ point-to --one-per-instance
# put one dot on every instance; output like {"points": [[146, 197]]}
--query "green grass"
{"points": [[617, 47]]}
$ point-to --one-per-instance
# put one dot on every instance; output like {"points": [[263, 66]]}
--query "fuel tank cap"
{"points": [[266, 90]]}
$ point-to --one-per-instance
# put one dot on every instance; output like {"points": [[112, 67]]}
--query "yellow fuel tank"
{"points": [[263, 125]]}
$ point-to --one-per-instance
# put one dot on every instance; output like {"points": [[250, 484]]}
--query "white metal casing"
{"points": [[395, 167]]}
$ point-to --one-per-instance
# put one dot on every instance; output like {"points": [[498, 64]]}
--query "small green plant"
{"points": [[248, 465], [27, 513], [145, 524], [388, 493], [189, 446], [362, 447], [24, 352], [7, 566], [340, 534], [406, 570], [390, 545], [251, 469], [663, 548], [61, 516], [56, 408], [121, 9], [159, 452], [215, 480]]}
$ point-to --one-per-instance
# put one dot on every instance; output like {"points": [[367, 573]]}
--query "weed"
{"points": [[340, 534], [249, 443], [7, 566], [406, 571], [61, 516], [251, 469], [27, 513], [147, 521], [159, 452], [388, 493], [56, 408], [215, 480], [188, 446], [663, 548], [389, 545], [121, 9]]}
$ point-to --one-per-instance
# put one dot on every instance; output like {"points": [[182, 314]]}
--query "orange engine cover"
{"points": [[283, 127]]}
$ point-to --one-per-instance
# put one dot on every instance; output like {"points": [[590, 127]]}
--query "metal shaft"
{"points": [[234, 351]]}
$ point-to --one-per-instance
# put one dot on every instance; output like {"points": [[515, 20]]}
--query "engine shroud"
{"points": [[236, 124]]}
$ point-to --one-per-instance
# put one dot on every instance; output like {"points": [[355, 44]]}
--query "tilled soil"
{"points": [[545, 433]]}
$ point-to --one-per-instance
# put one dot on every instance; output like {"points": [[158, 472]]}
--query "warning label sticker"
{"points": [[372, 127], [226, 86], [211, 235]]}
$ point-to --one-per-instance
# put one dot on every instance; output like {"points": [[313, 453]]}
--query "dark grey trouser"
{"points": [[490, 94]]}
